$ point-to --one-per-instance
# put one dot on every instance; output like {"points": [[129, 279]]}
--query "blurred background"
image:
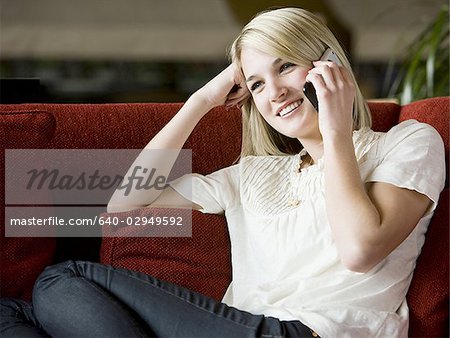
{"points": [[93, 51]]}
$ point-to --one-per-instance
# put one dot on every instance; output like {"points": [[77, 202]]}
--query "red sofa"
{"points": [[201, 262]]}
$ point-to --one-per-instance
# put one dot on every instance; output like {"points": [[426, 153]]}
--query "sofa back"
{"points": [[201, 262]]}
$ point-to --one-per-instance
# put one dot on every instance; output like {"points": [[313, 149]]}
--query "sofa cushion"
{"points": [[428, 295], [434, 111], [22, 259], [132, 125], [26, 129], [384, 115], [201, 262]]}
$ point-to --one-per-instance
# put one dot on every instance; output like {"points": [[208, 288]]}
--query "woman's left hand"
{"points": [[335, 92]]}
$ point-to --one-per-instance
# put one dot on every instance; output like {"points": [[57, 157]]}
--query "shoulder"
{"points": [[410, 155], [225, 176], [413, 131], [415, 143], [411, 141]]}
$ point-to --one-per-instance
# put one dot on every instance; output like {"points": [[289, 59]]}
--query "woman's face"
{"points": [[276, 86]]}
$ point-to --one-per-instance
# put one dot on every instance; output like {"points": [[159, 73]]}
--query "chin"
{"points": [[292, 133], [298, 128]]}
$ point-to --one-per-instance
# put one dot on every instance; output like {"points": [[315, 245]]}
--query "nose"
{"points": [[277, 91]]}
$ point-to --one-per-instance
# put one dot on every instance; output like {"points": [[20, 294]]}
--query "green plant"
{"points": [[424, 71]]}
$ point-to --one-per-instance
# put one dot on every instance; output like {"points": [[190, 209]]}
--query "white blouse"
{"points": [[285, 263]]}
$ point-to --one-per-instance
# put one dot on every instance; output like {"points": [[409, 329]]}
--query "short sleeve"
{"points": [[411, 155], [215, 192]]}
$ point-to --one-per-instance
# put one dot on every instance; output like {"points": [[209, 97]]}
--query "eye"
{"points": [[285, 66], [255, 86]]}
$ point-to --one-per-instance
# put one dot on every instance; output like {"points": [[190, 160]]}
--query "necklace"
{"points": [[294, 199]]}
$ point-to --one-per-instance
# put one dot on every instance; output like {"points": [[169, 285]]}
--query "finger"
{"points": [[316, 79], [236, 99], [326, 73], [324, 63], [233, 101], [236, 102], [339, 78], [241, 103], [240, 94], [347, 76], [333, 66], [342, 76]]}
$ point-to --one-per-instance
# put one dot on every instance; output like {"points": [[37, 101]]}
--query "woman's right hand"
{"points": [[227, 88]]}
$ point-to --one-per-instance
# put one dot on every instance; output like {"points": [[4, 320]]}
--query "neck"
{"points": [[314, 147]]}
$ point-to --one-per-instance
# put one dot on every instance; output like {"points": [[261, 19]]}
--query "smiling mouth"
{"points": [[289, 108]]}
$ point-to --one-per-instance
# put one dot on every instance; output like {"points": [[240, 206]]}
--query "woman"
{"points": [[326, 217]]}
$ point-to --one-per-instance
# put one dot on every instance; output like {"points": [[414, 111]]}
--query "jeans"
{"points": [[85, 299]]}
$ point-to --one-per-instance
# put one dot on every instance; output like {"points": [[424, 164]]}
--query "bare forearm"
{"points": [[367, 222], [162, 151], [353, 218], [177, 131], [158, 157]]}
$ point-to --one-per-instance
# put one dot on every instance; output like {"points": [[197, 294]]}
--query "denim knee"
{"points": [[17, 319], [49, 287], [7, 305], [50, 276], [11, 309], [68, 303]]}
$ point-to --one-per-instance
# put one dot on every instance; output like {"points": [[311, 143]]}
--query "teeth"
{"points": [[290, 107]]}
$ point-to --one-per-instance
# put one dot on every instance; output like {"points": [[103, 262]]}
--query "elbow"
{"points": [[360, 251], [120, 207], [118, 204], [359, 259], [112, 208], [356, 266]]}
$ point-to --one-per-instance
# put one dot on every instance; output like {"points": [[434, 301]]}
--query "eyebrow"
{"points": [[251, 77]]}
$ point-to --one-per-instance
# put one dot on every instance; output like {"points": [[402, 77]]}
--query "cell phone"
{"points": [[308, 89]]}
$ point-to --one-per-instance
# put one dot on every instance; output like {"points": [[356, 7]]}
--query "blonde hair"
{"points": [[297, 36]]}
